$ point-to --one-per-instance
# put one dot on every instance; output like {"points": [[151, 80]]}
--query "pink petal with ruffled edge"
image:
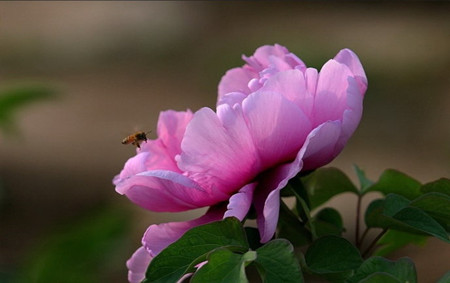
{"points": [[137, 265], [218, 151], [320, 147], [291, 84], [235, 80], [232, 98], [133, 166], [264, 56], [331, 95], [351, 60], [171, 128], [278, 127], [329, 144], [240, 202], [158, 237], [161, 190]]}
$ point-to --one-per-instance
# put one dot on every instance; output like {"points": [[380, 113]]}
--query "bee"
{"points": [[136, 139]]}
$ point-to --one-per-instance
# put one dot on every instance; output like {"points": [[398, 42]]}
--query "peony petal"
{"points": [[262, 55], [171, 128], [352, 115], [137, 265], [133, 166], [295, 62], [331, 95], [159, 157], [311, 77], [161, 190], [159, 236], [279, 63], [240, 202], [235, 80], [232, 98], [267, 196], [351, 60], [291, 84], [320, 146], [278, 126], [218, 151]]}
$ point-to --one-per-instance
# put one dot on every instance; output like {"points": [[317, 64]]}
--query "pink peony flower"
{"points": [[274, 118]]}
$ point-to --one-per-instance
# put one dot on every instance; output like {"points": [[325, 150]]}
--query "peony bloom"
{"points": [[274, 118]]}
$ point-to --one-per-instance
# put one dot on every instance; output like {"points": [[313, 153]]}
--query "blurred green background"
{"points": [[115, 65]]}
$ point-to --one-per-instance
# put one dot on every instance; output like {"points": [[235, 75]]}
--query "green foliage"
{"points": [[378, 269], [325, 183], [193, 248], [292, 228], [224, 266], [364, 182], [328, 221], [223, 245], [15, 98], [394, 240], [408, 213], [439, 186], [399, 213], [445, 278], [332, 254], [394, 182], [79, 252], [276, 262]]}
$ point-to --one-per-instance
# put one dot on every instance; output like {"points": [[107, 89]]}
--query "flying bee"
{"points": [[136, 139]]}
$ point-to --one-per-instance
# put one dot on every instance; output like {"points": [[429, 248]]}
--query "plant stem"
{"points": [[364, 234], [307, 213], [375, 240], [358, 212]]}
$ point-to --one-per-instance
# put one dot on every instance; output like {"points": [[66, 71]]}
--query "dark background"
{"points": [[116, 65]]}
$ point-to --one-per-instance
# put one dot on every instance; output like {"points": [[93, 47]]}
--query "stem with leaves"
{"points": [[374, 242]]}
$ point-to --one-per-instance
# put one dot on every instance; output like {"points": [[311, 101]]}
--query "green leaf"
{"points": [[79, 252], [394, 240], [392, 181], [439, 186], [394, 213], [193, 247], [373, 216], [326, 183], [364, 183], [291, 228], [373, 269], [421, 221], [380, 277], [434, 204], [224, 266], [276, 262], [445, 278], [328, 221], [394, 203], [331, 254]]}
